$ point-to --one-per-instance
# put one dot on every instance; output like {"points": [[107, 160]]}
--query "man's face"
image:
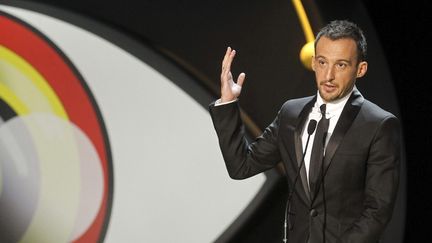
{"points": [[336, 67]]}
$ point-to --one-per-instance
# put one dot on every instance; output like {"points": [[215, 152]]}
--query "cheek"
{"points": [[345, 87], [318, 79], [346, 79], [319, 76]]}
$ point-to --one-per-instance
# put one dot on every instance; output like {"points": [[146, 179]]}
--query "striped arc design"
{"points": [[37, 78]]}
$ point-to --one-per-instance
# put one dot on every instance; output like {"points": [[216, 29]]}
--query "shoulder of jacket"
{"points": [[373, 110], [298, 102]]}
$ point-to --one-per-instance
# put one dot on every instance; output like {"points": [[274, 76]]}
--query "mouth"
{"points": [[329, 87]]}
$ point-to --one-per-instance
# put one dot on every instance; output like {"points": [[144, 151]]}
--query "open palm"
{"points": [[230, 90]]}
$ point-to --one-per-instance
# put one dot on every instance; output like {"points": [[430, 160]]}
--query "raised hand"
{"points": [[230, 90]]}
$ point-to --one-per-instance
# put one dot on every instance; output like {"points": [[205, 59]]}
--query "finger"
{"points": [[241, 78], [226, 69], [227, 53], [229, 60], [223, 75]]}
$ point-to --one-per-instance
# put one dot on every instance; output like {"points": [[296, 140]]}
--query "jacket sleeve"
{"points": [[381, 184], [242, 159]]}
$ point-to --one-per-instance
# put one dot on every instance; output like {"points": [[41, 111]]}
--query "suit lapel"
{"points": [[298, 144], [345, 121]]}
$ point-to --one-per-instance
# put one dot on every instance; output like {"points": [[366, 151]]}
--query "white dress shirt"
{"points": [[333, 112]]}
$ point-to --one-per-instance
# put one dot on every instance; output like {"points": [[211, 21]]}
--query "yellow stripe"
{"points": [[36, 78], [304, 21], [14, 102]]}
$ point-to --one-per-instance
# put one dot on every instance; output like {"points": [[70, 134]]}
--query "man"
{"points": [[348, 179]]}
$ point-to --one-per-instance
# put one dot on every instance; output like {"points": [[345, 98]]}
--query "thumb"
{"points": [[240, 79]]}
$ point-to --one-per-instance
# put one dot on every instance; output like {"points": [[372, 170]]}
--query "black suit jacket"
{"points": [[361, 167]]}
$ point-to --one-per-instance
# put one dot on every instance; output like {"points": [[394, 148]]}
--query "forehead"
{"points": [[344, 48]]}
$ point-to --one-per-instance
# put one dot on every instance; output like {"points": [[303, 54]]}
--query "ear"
{"points": [[362, 69]]}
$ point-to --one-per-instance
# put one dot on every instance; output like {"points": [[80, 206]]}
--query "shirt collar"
{"points": [[335, 107]]}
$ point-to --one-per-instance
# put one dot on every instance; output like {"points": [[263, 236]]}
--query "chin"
{"points": [[326, 96]]}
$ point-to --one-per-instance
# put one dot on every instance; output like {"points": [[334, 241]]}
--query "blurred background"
{"points": [[104, 129]]}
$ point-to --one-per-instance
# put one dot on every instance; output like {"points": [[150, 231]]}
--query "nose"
{"points": [[330, 73]]}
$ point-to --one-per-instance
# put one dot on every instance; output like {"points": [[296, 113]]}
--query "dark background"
{"points": [[403, 29]]}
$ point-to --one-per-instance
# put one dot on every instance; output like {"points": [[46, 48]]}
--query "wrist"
{"points": [[227, 99]]}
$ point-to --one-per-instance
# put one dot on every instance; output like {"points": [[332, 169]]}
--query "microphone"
{"points": [[310, 129]]}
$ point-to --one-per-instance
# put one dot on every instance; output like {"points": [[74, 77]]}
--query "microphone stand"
{"points": [[323, 190], [311, 128]]}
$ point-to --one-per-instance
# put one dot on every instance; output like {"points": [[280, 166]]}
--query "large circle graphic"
{"points": [[55, 165]]}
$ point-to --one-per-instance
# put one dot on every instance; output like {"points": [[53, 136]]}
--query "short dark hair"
{"points": [[339, 29]]}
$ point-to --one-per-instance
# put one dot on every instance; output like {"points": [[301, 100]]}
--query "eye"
{"points": [[322, 62], [341, 65]]}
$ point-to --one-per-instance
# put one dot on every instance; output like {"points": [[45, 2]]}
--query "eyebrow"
{"points": [[338, 60]]}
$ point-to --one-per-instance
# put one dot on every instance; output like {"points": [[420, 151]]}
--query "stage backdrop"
{"points": [[93, 139], [104, 133]]}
